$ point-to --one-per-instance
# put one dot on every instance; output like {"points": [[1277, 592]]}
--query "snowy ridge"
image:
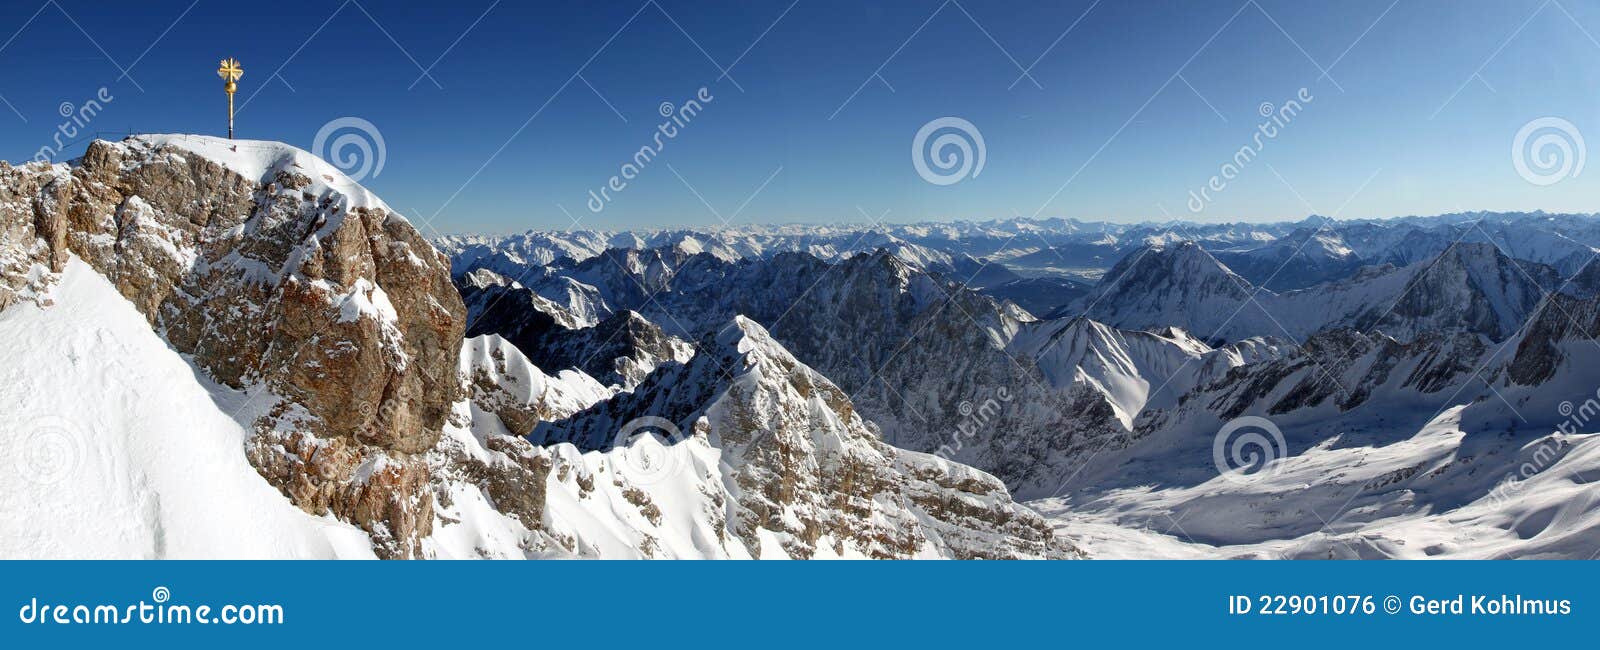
{"points": [[523, 393]]}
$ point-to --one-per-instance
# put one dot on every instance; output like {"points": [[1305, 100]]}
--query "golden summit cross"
{"points": [[230, 71]]}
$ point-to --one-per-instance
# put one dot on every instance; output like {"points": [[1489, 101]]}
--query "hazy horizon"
{"points": [[889, 223]]}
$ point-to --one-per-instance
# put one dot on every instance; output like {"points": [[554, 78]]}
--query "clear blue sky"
{"points": [[1107, 113]]}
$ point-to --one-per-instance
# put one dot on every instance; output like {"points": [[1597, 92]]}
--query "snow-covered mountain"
{"points": [[1469, 286], [1321, 249], [980, 254], [1424, 449], [1306, 257], [907, 345], [1399, 359], [790, 469], [1180, 285], [1447, 445], [939, 368], [228, 348], [234, 350]]}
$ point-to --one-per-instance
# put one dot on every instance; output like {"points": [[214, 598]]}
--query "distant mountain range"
{"points": [[1273, 258], [1419, 344], [1323, 249]]}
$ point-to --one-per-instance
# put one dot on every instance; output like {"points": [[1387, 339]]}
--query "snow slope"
{"points": [[1438, 493], [115, 448], [1125, 366]]}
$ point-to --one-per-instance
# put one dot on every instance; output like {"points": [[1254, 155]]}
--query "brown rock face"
{"points": [[32, 236], [388, 496], [295, 285]]}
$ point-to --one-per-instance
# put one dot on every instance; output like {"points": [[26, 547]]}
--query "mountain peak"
{"points": [[742, 337], [1474, 254], [261, 161], [1178, 257]]}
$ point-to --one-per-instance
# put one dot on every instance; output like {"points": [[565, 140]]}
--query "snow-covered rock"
{"points": [[281, 279], [793, 470]]}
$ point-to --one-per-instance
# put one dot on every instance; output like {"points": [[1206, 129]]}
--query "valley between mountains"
{"points": [[230, 349]]}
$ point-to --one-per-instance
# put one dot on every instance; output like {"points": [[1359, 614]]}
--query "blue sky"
{"points": [[527, 107]]}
